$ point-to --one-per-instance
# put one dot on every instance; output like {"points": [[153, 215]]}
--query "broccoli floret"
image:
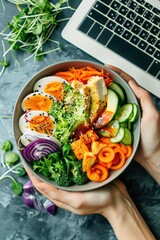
{"points": [[79, 177], [62, 179], [62, 167]]}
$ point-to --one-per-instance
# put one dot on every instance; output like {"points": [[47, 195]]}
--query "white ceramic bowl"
{"points": [[62, 66]]}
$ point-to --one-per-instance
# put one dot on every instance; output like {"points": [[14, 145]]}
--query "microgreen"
{"points": [[10, 158], [32, 27], [16, 187], [4, 62]]}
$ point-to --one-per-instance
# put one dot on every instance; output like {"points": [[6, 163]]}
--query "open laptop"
{"points": [[123, 33]]}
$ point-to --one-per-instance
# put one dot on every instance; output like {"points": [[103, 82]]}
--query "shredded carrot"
{"points": [[83, 74]]}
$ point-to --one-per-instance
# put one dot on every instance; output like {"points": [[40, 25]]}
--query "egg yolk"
{"points": [[42, 124], [38, 102], [55, 89]]}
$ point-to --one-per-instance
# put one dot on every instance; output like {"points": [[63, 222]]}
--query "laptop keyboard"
{"points": [[129, 28]]}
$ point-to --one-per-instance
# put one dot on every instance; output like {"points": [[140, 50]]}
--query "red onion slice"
{"points": [[39, 148]]}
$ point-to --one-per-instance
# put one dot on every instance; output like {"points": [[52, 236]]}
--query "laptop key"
{"points": [[156, 20], [120, 19], [119, 30], [157, 44], [154, 68], [148, 15], [149, 6], [136, 29], [115, 5], [123, 10], [141, 1], [95, 30], [129, 52], [111, 25], [142, 45], [150, 49], [128, 24], [124, 1], [86, 24], [98, 17], [151, 39], [154, 30], [139, 20], [143, 34], [156, 10], [101, 7], [105, 36], [132, 5], [112, 14], [106, 1], [135, 40], [126, 35], [157, 55], [146, 25], [140, 10], [131, 15]]}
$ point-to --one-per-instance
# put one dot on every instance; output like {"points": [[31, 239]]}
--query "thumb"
{"points": [[144, 98]]}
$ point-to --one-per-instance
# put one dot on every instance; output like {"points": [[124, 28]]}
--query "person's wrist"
{"points": [[116, 211]]}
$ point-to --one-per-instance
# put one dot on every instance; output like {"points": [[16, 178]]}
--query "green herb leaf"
{"points": [[21, 171], [7, 146], [17, 187]]}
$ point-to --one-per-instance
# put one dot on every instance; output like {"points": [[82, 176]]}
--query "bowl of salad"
{"points": [[77, 125]]}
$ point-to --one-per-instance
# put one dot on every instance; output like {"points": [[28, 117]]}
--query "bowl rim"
{"points": [[85, 187]]}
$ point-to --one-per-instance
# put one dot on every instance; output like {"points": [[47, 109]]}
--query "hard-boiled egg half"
{"points": [[30, 136], [52, 85], [38, 101], [38, 121]]}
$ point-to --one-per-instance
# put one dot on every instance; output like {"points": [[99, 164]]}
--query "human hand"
{"points": [[105, 200], [148, 153], [112, 201]]}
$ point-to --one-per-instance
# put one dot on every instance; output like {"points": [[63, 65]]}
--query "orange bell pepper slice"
{"points": [[107, 165], [97, 173], [129, 151], [106, 154], [122, 159]]}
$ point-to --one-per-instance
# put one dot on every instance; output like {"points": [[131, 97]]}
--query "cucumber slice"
{"points": [[124, 124], [128, 137], [130, 125], [112, 101], [134, 115], [125, 112], [120, 90], [119, 137]]}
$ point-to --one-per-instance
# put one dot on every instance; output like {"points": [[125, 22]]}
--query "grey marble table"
{"points": [[18, 222]]}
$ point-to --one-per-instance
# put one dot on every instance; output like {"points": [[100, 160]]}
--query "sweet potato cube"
{"points": [[89, 136], [79, 148], [88, 161]]}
